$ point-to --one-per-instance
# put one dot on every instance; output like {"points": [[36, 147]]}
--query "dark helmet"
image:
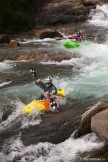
{"points": [[78, 31]]}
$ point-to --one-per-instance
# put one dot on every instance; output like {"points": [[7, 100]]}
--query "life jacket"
{"points": [[73, 36]]}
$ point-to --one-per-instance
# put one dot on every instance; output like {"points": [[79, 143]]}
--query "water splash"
{"points": [[99, 16], [31, 119], [66, 151], [5, 65], [17, 117], [12, 118], [4, 83]]}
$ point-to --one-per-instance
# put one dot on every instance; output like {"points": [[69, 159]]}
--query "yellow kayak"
{"points": [[40, 105]]}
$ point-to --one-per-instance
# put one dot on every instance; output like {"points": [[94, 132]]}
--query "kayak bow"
{"points": [[40, 105], [72, 44]]}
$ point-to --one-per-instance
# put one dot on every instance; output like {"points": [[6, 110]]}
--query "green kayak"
{"points": [[72, 44]]}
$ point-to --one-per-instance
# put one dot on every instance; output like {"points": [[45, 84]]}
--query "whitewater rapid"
{"points": [[99, 16], [66, 151]]}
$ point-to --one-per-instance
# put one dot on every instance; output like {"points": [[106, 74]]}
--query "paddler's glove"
{"points": [[38, 80]]}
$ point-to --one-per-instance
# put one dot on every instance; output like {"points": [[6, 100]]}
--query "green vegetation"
{"points": [[16, 15]]}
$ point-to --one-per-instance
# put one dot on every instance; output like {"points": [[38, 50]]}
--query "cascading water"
{"points": [[99, 16], [47, 152]]}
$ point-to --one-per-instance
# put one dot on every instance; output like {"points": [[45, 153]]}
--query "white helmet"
{"points": [[48, 79]]}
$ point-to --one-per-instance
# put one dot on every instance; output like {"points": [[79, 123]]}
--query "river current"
{"points": [[84, 78]]}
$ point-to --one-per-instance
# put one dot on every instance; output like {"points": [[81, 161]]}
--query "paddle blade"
{"points": [[33, 72]]}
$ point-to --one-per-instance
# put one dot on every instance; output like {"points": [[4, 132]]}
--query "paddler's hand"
{"points": [[47, 93], [38, 80]]}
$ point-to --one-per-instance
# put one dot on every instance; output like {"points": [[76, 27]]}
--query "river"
{"points": [[85, 80]]}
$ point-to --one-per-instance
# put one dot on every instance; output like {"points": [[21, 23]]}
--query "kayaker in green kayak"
{"points": [[77, 37]]}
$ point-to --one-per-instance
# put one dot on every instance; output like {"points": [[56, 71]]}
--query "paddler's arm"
{"points": [[52, 92], [40, 84]]}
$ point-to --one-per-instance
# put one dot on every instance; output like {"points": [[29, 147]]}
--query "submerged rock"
{"points": [[99, 123], [38, 56]]}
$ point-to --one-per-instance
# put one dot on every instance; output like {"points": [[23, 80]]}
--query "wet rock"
{"points": [[85, 125], [47, 33], [4, 79], [4, 38], [99, 123], [65, 12], [38, 56], [62, 14], [14, 43], [90, 2]]}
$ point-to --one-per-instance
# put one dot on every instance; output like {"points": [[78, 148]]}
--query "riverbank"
{"points": [[32, 14]]}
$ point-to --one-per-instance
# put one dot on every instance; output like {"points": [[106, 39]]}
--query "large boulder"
{"points": [[62, 14], [99, 123], [47, 33], [14, 43], [85, 124]]}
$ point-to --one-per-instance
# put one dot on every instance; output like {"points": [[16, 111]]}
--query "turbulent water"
{"points": [[87, 81]]}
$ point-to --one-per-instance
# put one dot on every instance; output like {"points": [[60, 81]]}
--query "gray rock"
{"points": [[62, 14], [99, 124], [85, 124], [47, 33]]}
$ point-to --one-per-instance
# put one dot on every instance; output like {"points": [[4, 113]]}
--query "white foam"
{"points": [[4, 83], [75, 62], [18, 116], [99, 16], [5, 65], [26, 41], [92, 76], [31, 119], [12, 118], [66, 151], [34, 40]]}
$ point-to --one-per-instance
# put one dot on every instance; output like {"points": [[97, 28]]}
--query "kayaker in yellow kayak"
{"points": [[50, 91]]}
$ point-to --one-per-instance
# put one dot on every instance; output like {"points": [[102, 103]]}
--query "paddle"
{"points": [[33, 72]]}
